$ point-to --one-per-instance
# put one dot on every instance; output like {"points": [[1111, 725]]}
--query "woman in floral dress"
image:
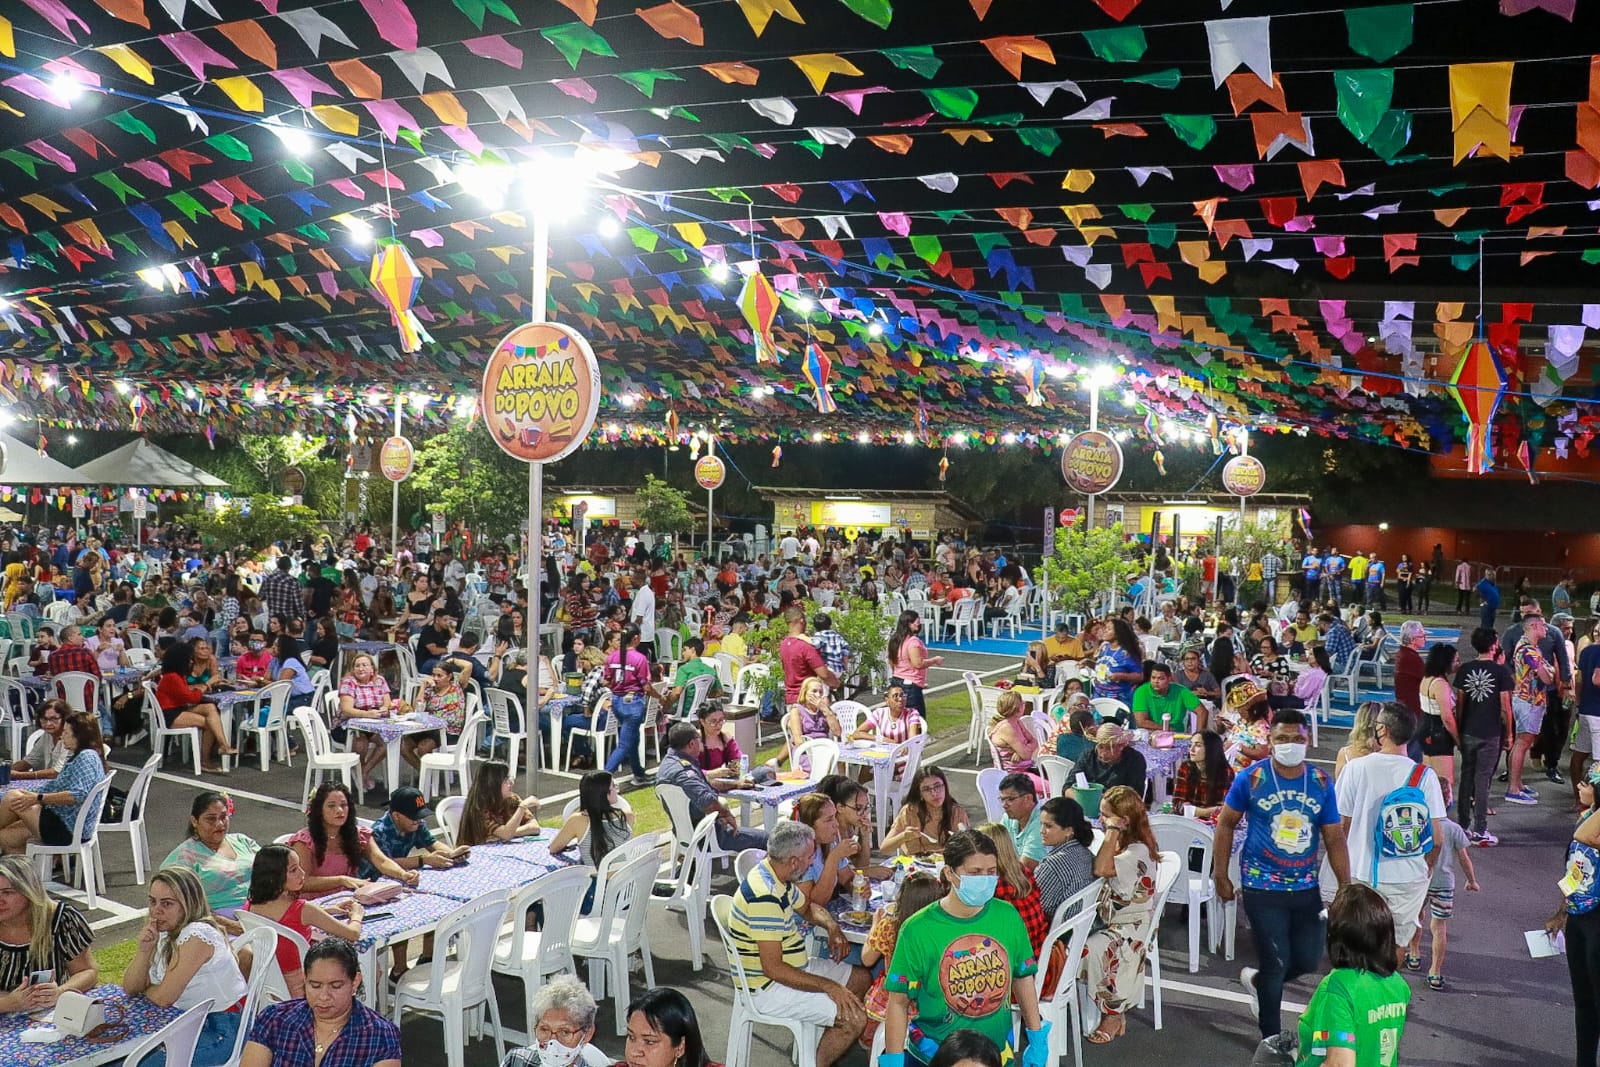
{"points": [[1114, 957]]}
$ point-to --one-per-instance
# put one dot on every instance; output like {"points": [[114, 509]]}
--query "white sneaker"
{"points": [[1247, 978]]}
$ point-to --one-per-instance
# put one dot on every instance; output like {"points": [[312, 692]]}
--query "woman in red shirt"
{"points": [[184, 706], [1016, 885]]}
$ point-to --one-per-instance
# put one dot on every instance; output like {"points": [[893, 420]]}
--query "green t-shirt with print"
{"points": [[959, 971], [1355, 1010]]}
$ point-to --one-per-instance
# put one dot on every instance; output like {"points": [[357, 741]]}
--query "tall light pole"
{"points": [[394, 513], [1101, 377]]}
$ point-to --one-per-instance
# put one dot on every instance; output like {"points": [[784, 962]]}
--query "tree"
{"points": [[1087, 562], [272, 454], [257, 522], [464, 474], [664, 509]]}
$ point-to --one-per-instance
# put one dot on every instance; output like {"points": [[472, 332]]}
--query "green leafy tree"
{"points": [[1248, 544], [272, 454], [257, 522], [1087, 562], [464, 474], [664, 509]]}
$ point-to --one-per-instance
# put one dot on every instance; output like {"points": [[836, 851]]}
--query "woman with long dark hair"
{"points": [[1437, 727], [48, 815], [601, 823], [183, 705], [333, 848], [288, 666], [664, 1032], [1203, 778], [493, 811], [1119, 666], [1223, 664], [909, 660], [928, 817], [276, 880]]}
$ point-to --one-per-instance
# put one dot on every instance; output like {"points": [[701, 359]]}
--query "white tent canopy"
{"points": [[28, 466], [140, 464]]}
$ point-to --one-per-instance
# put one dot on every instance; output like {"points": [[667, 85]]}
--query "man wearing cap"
{"points": [[1112, 762], [401, 834]]}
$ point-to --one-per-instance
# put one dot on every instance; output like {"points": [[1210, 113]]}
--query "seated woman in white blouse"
{"points": [[183, 959]]}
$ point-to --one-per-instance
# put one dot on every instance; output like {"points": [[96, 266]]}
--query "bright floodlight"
{"points": [[608, 227], [72, 438], [1102, 376], [817, 436], [553, 186], [123, 388], [67, 87], [295, 140], [805, 303], [48, 381], [875, 329], [864, 437], [1056, 370], [908, 438], [1008, 439], [719, 272], [360, 230]]}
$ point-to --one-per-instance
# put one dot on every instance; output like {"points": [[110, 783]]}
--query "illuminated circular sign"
{"points": [[709, 471], [1092, 462], [396, 458], [1244, 476], [541, 392]]}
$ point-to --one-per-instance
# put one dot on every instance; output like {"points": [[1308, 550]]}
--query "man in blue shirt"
{"points": [[401, 834], [1332, 571], [1375, 594], [1287, 805], [1337, 639], [1488, 599], [1311, 571]]}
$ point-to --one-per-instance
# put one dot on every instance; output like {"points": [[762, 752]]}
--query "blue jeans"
{"points": [[629, 710], [214, 1047], [1289, 938]]}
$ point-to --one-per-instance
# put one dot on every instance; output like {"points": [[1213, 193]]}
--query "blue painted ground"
{"points": [[1341, 713]]}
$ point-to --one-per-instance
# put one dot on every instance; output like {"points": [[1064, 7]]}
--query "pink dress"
{"points": [[334, 864]]}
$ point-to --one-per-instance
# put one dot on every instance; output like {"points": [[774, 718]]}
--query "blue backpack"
{"points": [[1404, 828]]}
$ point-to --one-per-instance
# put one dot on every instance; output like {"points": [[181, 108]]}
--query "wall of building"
{"points": [[1536, 552]]}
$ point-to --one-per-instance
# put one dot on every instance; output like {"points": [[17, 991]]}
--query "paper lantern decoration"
{"points": [[211, 438], [43, 443], [1478, 385], [1034, 376], [1525, 457], [138, 405], [818, 369], [672, 424], [758, 302], [944, 467], [1161, 463], [1153, 429], [777, 455], [395, 277]]}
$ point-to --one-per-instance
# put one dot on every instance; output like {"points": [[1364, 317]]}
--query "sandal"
{"points": [[1436, 982], [1413, 963], [1100, 1037]]}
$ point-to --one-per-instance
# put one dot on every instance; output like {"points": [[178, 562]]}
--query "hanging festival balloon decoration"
{"points": [[138, 405], [818, 368], [944, 467], [1033, 374], [1478, 385], [777, 455], [758, 302], [396, 279]]}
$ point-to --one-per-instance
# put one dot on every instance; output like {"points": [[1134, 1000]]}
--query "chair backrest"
{"points": [[17, 666], [1084, 900], [264, 966], [727, 664], [988, 700], [315, 731], [1107, 707], [560, 894], [16, 702], [177, 1039], [133, 811], [909, 750], [749, 675], [621, 854], [449, 809], [989, 789], [822, 752], [80, 689], [467, 744], [746, 861], [1057, 772], [676, 801], [262, 945], [276, 697], [850, 714], [695, 693], [1074, 931], [669, 645], [138, 639], [472, 930], [722, 913], [1175, 833], [694, 870], [1172, 865], [622, 902], [93, 805], [143, 658], [500, 703]]}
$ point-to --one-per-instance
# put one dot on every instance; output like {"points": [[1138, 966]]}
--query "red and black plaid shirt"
{"points": [[1028, 906], [74, 658]]}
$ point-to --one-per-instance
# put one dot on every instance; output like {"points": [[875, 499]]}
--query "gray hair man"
{"points": [[681, 769]]}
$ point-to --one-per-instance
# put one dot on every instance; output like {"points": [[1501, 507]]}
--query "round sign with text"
{"points": [[709, 471], [396, 458], [1244, 476], [541, 392], [1092, 462]]}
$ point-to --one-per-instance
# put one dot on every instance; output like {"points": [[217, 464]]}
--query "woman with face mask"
{"points": [[1114, 957], [968, 925], [564, 1013]]}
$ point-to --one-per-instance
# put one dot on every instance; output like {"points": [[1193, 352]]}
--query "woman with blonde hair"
{"points": [[1115, 956], [39, 934], [1035, 667], [1014, 741], [1016, 885], [182, 959], [1363, 736], [809, 718]]}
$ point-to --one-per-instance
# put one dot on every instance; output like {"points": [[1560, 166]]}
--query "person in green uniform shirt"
{"points": [[963, 960], [1160, 705], [1358, 1013], [693, 666]]}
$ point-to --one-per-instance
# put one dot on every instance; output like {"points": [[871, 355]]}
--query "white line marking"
{"points": [[212, 783], [1230, 995]]}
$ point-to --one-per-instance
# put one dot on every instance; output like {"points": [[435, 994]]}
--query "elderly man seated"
{"points": [[767, 927], [563, 1012], [1112, 762], [681, 767]]}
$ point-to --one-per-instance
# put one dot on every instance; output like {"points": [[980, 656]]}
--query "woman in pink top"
{"points": [[909, 660], [892, 723], [333, 848]]}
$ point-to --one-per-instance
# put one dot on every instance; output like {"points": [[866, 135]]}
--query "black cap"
{"points": [[410, 803]]}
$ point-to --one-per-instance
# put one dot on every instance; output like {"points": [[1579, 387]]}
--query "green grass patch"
{"points": [[113, 960]]}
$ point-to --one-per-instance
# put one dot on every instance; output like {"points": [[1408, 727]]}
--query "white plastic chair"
{"points": [[989, 789], [695, 693], [451, 988], [964, 619], [727, 667], [321, 757], [1106, 708], [132, 821], [85, 846], [80, 689], [16, 713], [500, 704], [601, 731], [1057, 773], [1060, 1004], [143, 658], [176, 1040], [454, 759], [615, 931], [679, 814], [851, 714], [807, 1036], [823, 754], [160, 732], [691, 881], [262, 945], [1175, 833], [535, 955], [276, 699], [448, 811], [748, 680], [1167, 874], [274, 981], [669, 648], [747, 861]]}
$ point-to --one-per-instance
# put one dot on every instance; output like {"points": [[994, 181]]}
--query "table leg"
{"points": [[881, 777], [769, 817], [372, 989], [392, 755]]}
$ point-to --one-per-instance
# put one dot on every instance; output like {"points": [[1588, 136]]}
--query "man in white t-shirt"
{"points": [[813, 550], [1366, 780], [789, 548], [643, 613], [455, 572]]}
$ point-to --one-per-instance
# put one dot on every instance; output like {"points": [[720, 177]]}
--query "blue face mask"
{"points": [[976, 890]]}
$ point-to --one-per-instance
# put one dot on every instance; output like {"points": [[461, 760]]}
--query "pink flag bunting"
{"points": [[394, 22], [195, 53], [496, 47], [303, 85], [57, 14]]}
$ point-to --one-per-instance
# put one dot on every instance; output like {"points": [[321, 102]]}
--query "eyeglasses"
{"points": [[861, 809], [1010, 799], [567, 1035]]}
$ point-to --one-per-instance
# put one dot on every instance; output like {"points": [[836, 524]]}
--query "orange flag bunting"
{"points": [[584, 9], [249, 38], [127, 10], [673, 20], [1008, 52], [731, 73]]}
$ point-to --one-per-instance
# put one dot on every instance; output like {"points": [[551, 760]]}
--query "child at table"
{"points": [[917, 892], [276, 879], [254, 666]]}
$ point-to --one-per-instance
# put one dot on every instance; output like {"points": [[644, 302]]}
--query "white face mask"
{"points": [[553, 1053], [1289, 755]]}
